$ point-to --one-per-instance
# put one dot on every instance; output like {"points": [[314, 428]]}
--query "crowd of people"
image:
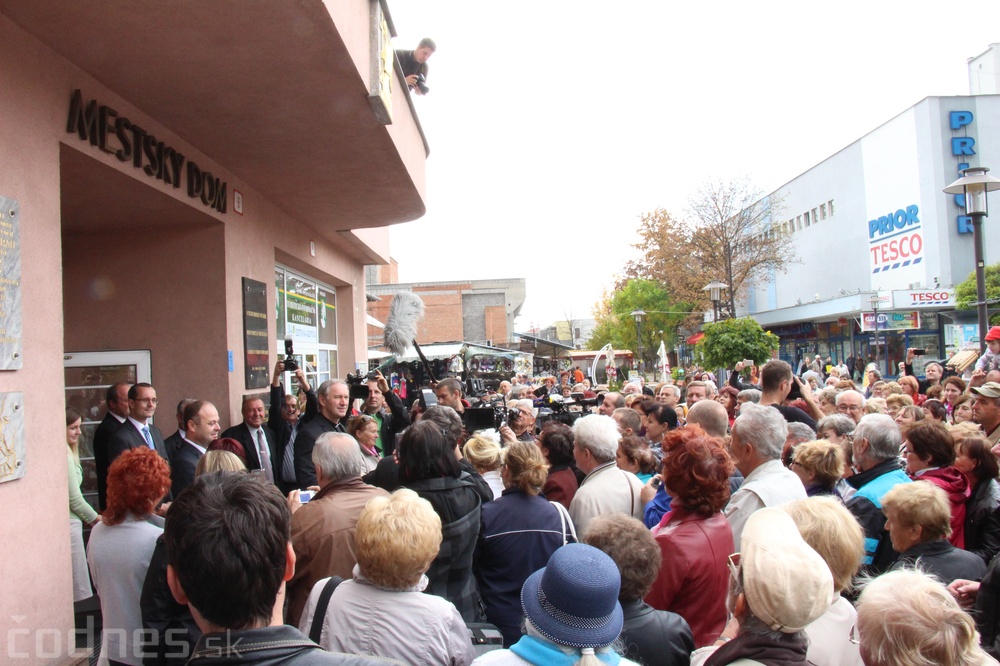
{"points": [[779, 519]]}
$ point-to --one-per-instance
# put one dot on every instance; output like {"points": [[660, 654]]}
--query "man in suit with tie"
{"points": [[257, 439], [175, 440], [116, 398], [201, 426], [137, 431], [334, 402], [286, 423]]}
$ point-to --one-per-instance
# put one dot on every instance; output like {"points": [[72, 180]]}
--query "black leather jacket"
{"points": [[982, 520], [271, 646], [655, 638]]}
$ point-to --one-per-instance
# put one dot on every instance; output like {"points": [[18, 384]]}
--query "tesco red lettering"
{"points": [[930, 296], [897, 249]]}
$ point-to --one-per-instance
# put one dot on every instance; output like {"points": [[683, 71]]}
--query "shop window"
{"points": [[307, 313]]}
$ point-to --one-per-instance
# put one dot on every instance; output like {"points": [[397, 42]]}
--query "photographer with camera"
{"points": [[388, 411], [414, 65], [520, 422]]}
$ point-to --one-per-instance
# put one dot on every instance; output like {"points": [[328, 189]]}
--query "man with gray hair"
{"points": [[758, 437], [851, 403], [875, 451], [605, 489], [323, 528], [334, 399]]}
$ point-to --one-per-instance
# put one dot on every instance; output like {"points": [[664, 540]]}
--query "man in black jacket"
{"points": [[116, 400], [334, 398], [285, 421]]}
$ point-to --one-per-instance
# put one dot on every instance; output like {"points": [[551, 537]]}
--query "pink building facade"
{"points": [[166, 160]]}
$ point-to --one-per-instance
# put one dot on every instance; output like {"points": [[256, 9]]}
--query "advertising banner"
{"points": [[890, 321]]}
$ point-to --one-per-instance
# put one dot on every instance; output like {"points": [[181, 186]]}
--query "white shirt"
{"points": [[768, 485]]}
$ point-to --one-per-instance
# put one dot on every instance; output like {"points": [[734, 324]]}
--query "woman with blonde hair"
{"points": [[520, 531], [906, 618], [833, 532], [364, 429], [485, 456], [819, 464], [219, 461], [382, 611], [895, 402]]}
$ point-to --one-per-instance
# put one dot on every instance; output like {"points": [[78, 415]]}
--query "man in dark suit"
{"points": [[334, 401], [175, 440], [137, 431], [116, 398], [201, 426], [285, 421], [257, 439]]}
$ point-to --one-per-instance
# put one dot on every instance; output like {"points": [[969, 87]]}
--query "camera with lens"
{"points": [[291, 365], [422, 83], [357, 384]]}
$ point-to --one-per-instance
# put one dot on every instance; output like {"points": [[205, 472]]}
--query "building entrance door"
{"points": [[88, 375]]}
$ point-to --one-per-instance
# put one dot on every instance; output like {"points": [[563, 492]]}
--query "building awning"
{"points": [[557, 348], [696, 338]]}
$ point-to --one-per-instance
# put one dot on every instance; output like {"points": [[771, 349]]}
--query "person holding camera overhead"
{"points": [[414, 65]]}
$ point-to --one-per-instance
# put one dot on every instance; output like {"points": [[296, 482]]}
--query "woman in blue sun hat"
{"points": [[572, 614]]}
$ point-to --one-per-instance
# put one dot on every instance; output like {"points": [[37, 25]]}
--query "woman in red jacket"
{"points": [[930, 456], [694, 537]]}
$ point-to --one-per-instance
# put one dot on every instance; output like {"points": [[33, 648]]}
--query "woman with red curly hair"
{"points": [[121, 546], [695, 539]]}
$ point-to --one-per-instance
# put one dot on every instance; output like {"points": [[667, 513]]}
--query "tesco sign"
{"points": [[895, 240], [923, 298]]}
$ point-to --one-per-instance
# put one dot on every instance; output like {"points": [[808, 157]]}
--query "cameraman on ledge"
{"points": [[414, 65]]}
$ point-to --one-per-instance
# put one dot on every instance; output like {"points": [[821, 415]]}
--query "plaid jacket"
{"points": [[450, 574]]}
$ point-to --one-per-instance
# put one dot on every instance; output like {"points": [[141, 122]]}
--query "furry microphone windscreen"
{"points": [[405, 312]]}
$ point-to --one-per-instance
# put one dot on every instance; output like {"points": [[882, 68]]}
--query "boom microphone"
{"points": [[405, 312]]}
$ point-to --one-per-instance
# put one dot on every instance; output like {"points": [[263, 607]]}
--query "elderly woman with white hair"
{"points": [[907, 618], [382, 611]]}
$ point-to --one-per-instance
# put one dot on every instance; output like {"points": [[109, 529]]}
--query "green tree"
{"points": [[965, 293], [730, 341], [615, 323]]}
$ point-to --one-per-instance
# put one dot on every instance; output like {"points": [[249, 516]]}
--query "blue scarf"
{"points": [[538, 651]]}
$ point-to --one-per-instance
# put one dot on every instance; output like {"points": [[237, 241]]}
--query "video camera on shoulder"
{"points": [[357, 384]]}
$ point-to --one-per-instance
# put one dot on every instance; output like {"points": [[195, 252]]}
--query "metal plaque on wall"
{"points": [[11, 436], [10, 285], [255, 340]]}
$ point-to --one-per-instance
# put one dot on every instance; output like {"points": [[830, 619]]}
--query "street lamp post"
{"points": [[875, 302], [974, 184], [638, 314], [714, 290]]}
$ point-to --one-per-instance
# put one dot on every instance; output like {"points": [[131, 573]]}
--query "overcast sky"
{"points": [[554, 125]]}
